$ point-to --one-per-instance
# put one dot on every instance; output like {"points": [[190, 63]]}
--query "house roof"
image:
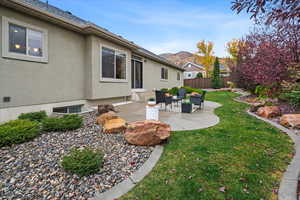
{"points": [[190, 67], [66, 19]]}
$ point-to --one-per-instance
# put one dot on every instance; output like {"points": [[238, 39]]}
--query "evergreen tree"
{"points": [[216, 81]]}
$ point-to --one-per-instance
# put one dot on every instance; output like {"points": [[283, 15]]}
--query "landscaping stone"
{"points": [[32, 170], [148, 132], [104, 108], [116, 125], [255, 106], [290, 120], [269, 111], [105, 117]]}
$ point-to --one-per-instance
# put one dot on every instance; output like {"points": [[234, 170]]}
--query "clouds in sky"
{"points": [[166, 25]]}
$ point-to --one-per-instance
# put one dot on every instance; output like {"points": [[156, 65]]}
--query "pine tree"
{"points": [[216, 82]]}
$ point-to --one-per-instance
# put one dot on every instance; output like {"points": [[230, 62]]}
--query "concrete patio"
{"points": [[199, 119]]}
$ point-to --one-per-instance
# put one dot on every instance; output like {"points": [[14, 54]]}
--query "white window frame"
{"points": [[161, 78], [103, 79], [5, 41]]}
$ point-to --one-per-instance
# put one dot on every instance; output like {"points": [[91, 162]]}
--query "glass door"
{"points": [[136, 74]]}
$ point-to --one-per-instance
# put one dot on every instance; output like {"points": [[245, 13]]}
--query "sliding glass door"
{"points": [[136, 73]]}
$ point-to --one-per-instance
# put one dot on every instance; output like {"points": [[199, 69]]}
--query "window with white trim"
{"points": [[113, 64], [164, 73], [24, 41]]}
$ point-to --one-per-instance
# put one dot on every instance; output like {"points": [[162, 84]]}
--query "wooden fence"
{"points": [[207, 82]]}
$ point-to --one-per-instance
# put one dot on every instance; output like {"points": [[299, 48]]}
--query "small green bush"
{"points": [[174, 91], [83, 162], [18, 131], [65, 123], [34, 116], [164, 90], [190, 90], [293, 97]]}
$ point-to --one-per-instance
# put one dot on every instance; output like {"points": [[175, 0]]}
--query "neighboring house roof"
{"points": [[190, 67], [68, 20]]}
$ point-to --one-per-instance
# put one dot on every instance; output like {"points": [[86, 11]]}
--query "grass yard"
{"points": [[240, 158]]}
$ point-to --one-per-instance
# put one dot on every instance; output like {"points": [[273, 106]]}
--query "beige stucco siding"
{"points": [[61, 79], [152, 76], [102, 89]]}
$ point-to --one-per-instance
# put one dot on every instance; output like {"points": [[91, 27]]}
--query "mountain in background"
{"points": [[179, 58], [183, 57]]}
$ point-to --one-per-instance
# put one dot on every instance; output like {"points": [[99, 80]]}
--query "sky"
{"points": [[164, 26]]}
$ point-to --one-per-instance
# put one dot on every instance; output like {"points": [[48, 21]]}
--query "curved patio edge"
{"points": [[125, 186], [289, 183]]}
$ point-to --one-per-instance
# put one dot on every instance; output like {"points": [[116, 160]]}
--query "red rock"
{"points": [[148, 132], [269, 111], [105, 117], [290, 120]]}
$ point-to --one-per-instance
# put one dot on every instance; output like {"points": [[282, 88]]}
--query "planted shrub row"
{"points": [[83, 162], [34, 116], [65, 123], [18, 131]]}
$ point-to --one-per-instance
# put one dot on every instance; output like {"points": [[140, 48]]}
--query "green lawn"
{"points": [[241, 153]]}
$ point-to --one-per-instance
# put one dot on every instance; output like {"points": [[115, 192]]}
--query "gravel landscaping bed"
{"points": [[32, 170]]}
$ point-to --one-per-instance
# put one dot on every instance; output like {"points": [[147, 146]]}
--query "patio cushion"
{"points": [[148, 132]]}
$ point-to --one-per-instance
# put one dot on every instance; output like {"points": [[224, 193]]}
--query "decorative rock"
{"points": [[255, 106], [117, 125], [290, 120], [269, 111], [104, 108], [105, 117], [148, 132]]}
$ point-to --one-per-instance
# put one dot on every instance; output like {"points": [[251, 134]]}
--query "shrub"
{"points": [[293, 97], [200, 75], [164, 90], [65, 123], [190, 90], [174, 91], [83, 162], [33, 116], [18, 131], [216, 81]]}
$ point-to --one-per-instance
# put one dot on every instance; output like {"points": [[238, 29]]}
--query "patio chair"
{"points": [[181, 93], [161, 98], [196, 100]]}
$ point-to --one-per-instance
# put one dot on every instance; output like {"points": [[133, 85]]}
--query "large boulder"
{"points": [[116, 125], [269, 111], [104, 108], [105, 117], [290, 120], [148, 132]]}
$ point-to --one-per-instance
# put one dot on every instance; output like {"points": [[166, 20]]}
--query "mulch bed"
{"points": [[32, 170]]}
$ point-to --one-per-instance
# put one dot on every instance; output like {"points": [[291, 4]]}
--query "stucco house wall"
{"points": [[152, 76], [72, 73], [60, 79]]}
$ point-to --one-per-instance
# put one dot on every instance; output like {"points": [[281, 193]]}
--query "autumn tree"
{"points": [[270, 11], [216, 82], [232, 49], [204, 56]]}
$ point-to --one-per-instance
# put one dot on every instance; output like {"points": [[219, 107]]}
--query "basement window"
{"points": [[68, 109]]}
